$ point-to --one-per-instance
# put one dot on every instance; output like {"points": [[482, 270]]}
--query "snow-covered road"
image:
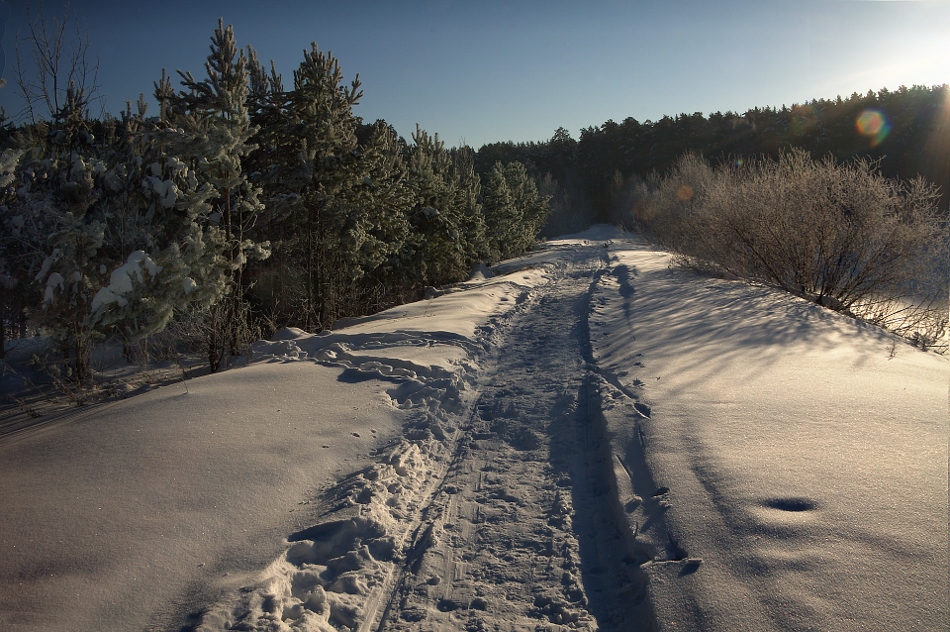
{"points": [[589, 440]]}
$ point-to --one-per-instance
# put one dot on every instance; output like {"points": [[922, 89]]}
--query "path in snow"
{"points": [[521, 531], [506, 522]]}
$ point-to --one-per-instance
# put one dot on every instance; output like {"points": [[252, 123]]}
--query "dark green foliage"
{"points": [[242, 207], [447, 234], [214, 140], [514, 210]]}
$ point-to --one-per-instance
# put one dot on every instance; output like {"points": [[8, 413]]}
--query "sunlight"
{"points": [[684, 193], [938, 140], [918, 62]]}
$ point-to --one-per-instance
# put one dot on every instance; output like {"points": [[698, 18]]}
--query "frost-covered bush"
{"points": [[841, 235], [672, 209]]}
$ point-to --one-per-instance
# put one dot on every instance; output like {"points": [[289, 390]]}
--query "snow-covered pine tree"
{"points": [[163, 261], [216, 138], [267, 291], [11, 304], [103, 221], [57, 232]]}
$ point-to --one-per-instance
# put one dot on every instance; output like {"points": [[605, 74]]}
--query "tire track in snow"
{"points": [[339, 574]]}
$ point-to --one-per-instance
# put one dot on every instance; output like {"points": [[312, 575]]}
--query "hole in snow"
{"points": [[791, 504]]}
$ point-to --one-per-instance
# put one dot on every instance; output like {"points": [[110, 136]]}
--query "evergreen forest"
{"points": [[252, 201], [905, 132], [246, 205]]}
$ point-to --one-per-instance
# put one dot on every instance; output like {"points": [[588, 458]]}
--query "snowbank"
{"points": [[805, 454]]}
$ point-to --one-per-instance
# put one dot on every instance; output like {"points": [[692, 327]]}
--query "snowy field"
{"points": [[590, 439]]}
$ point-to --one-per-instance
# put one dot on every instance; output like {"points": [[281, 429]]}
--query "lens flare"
{"points": [[684, 193], [874, 125]]}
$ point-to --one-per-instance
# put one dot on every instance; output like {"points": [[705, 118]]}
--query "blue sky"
{"points": [[489, 71]]}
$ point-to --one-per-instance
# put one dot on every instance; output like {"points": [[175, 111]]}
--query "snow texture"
{"points": [[582, 438]]}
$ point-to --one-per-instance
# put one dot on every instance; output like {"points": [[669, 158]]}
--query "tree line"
{"points": [[905, 132], [243, 206]]}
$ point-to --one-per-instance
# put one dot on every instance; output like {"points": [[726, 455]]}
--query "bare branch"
{"points": [[46, 72]]}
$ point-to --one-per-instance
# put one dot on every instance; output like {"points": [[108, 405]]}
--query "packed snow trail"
{"points": [[493, 512], [521, 533]]}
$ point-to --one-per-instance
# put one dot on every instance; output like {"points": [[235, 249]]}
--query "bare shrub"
{"points": [[841, 235]]}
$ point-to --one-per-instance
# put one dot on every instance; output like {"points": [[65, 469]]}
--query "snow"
{"points": [[166, 190], [54, 281], [121, 280], [159, 502], [806, 453], [583, 437]]}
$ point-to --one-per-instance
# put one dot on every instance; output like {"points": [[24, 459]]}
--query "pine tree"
{"points": [[531, 209], [436, 252], [13, 285], [500, 213], [163, 261], [59, 229], [216, 138], [382, 199], [514, 210], [472, 222], [106, 225], [313, 183]]}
